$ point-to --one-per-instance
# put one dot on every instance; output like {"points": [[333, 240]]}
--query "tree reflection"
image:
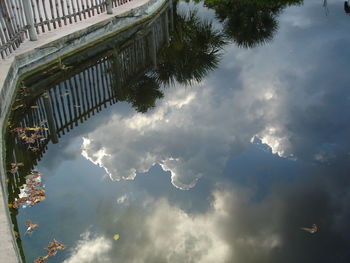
{"points": [[194, 46], [249, 23], [194, 50], [142, 94]]}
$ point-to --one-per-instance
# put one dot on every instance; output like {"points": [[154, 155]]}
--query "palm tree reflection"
{"points": [[193, 52], [141, 94], [249, 23], [195, 46]]}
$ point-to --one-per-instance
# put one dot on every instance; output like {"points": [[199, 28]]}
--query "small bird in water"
{"points": [[311, 230]]}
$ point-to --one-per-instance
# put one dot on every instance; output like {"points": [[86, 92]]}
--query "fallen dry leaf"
{"points": [[31, 226], [31, 192], [52, 248], [18, 107]]}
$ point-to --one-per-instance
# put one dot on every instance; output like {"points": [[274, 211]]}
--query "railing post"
{"points": [[30, 20], [109, 7]]}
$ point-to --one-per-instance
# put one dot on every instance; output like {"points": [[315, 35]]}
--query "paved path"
{"points": [[47, 37], [7, 247]]}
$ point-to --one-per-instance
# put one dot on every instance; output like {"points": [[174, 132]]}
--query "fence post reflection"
{"points": [[50, 119]]}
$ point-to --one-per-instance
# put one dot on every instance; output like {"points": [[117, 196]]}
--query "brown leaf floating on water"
{"points": [[31, 226], [30, 135], [15, 166], [33, 149], [52, 248], [14, 170], [17, 107], [41, 259], [31, 192]]}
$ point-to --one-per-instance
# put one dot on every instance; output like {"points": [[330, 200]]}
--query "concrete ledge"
{"points": [[32, 56]]}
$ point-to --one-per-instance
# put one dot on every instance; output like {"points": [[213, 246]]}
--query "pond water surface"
{"points": [[217, 132]]}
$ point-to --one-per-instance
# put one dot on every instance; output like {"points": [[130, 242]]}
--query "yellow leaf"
{"points": [[116, 237], [33, 129], [10, 205], [17, 107]]}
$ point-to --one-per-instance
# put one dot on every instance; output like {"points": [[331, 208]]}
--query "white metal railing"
{"points": [[22, 19]]}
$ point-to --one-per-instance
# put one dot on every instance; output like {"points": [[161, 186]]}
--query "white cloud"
{"points": [[184, 135], [160, 232], [192, 132], [90, 250], [184, 237], [122, 199], [277, 140]]}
